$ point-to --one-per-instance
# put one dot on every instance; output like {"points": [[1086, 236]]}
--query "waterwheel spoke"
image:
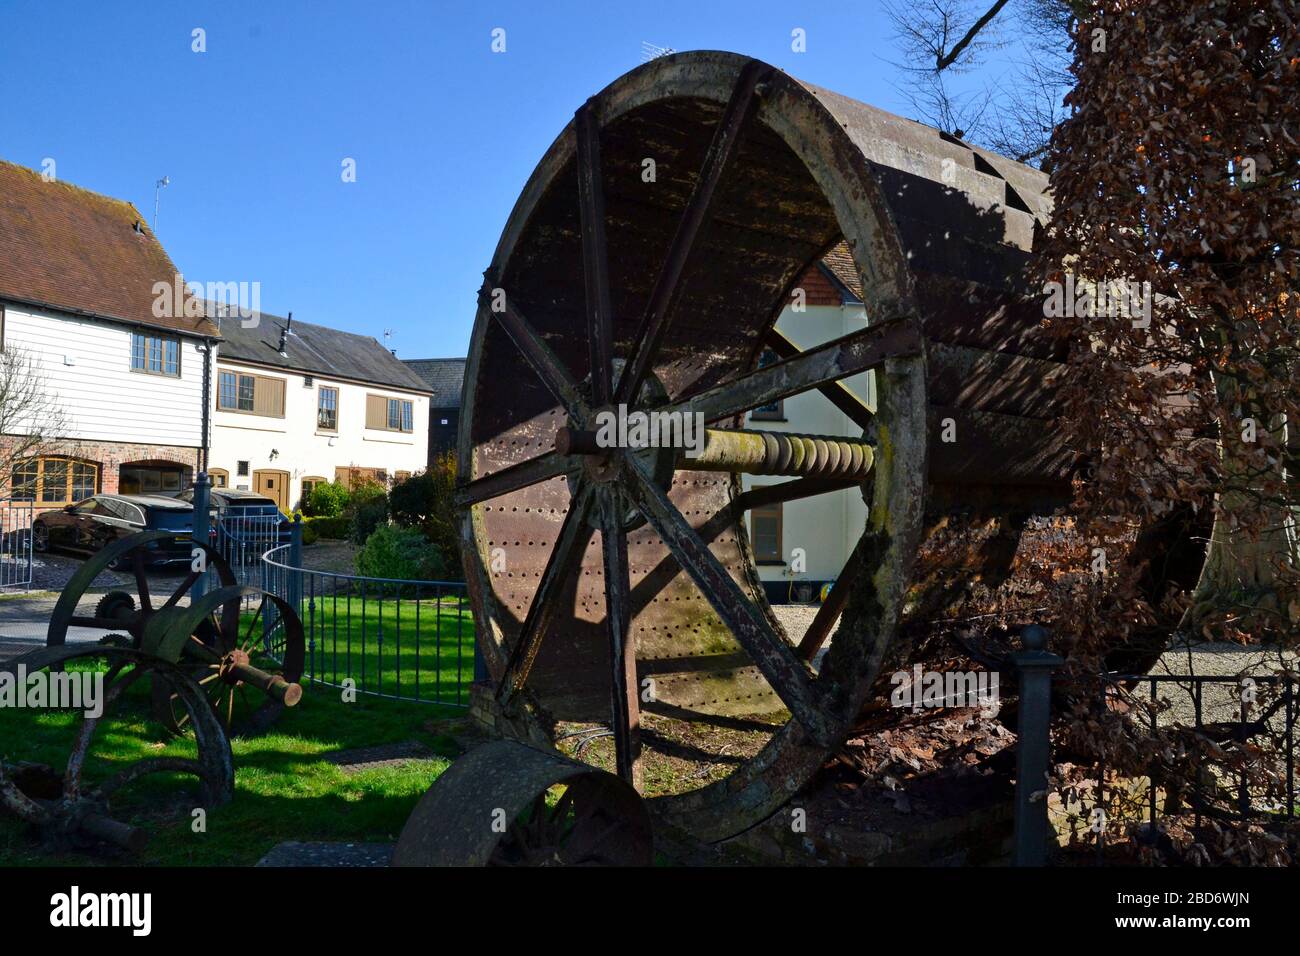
{"points": [[141, 579], [538, 354], [147, 766], [820, 628], [565, 558], [250, 638], [737, 116], [521, 475], [622, 646], [83, 620], [760, 495], [595, 256], [190, 580], [830, 362], [839, 394], [786, 674], [86, 732]]}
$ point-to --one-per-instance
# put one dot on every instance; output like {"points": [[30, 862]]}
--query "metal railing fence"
{"points": [[390, 637]]}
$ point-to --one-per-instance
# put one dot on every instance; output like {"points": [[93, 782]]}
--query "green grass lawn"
{"points": [[402, 647], [284, 789]]}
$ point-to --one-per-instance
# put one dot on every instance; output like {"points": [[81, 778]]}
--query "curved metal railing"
{"points": [[389, 637]]}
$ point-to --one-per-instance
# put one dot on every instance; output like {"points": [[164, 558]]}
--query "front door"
{"points": [[273, 484]]}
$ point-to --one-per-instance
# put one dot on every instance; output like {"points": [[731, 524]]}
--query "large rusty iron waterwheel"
{"points": [[644, 266]]}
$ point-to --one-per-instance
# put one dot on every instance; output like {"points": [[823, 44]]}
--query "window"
{"points": [[765, 533], [155, 354], [152, 479], [400, 413], [390, 414], [352, 477], [254, 394], [241, 469], [55, 481], [308, 484], [327, 409], [776, 411], [219, 477]]}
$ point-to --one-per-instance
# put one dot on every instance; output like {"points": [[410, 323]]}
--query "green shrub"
{"points": [[337, 528], [365, 517], [309, 534], [327, 500], [424, 501], [392, 552]]}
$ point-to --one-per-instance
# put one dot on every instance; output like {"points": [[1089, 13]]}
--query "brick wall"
{"points": [[109, 456], [818, 289]]}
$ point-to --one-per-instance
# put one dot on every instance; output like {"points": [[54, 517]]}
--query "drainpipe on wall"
{"points": [[207, 403]]}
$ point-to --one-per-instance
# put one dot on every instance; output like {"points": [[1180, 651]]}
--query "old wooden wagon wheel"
{"points": [[491, 808], [208, 636], [69, 806], [642, 270]]}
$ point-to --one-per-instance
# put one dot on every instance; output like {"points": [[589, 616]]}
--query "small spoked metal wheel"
{"points": [[218, 638], [222, 649], [76, 806], [509, 804]]}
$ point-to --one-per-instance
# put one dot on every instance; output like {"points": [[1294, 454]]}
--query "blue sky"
{"points": [[252, 133]]}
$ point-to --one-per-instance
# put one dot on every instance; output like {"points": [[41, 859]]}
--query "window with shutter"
{"points": [[390, 414], [254, 394]]}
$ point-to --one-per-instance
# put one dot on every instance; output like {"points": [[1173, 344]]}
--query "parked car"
{"points": [[242, 524], [90, 525]]}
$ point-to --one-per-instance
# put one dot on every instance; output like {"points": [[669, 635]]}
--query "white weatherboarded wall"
{"points": [[86, 363], [826, 527]]}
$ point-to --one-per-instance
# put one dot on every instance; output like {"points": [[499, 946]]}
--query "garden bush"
{"points": [[327, 500], [424, 502], [367, 510], [338, 527], [393, 552]]}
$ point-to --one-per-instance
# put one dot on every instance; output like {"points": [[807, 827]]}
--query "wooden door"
{"points": [[273, 484]]}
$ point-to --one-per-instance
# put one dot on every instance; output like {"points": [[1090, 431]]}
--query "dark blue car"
{"points": [[98, 521]]}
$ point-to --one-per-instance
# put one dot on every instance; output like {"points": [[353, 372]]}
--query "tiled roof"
{"points": [[444, 376], [840, 263], [316, 350], [77, 251]]}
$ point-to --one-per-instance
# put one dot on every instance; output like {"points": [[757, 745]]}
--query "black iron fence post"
{"points": [[1033, 749], [294, 584], [201, 497]]}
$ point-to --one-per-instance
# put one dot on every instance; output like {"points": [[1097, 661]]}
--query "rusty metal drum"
{"points": [[642, 270]]}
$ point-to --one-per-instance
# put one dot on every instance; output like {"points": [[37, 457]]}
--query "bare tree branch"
{"points": [[32, 419]]}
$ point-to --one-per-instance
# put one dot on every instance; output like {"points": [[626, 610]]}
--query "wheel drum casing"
{"points": [[940, 234]]}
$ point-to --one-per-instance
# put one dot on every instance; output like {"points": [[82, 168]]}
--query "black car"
{"points": [[242, 523], [90, 525]]}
